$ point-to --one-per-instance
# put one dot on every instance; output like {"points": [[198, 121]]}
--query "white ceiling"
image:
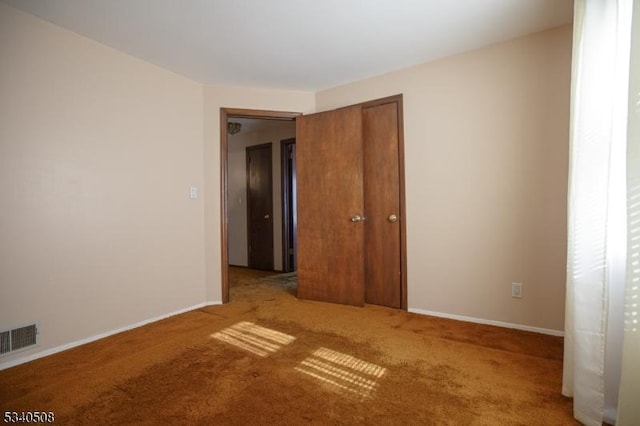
{"points": [[297, 44]]}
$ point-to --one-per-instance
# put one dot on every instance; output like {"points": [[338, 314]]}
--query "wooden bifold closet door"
{"points": [[350, 233]]}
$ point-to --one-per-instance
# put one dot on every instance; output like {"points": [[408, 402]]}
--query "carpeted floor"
{"points": [[268, 358]]}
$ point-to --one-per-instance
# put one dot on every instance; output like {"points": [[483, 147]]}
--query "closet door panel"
{"points": [[330, 206], [382, 205]]}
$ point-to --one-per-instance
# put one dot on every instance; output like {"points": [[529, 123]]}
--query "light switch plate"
{"points": [[516, 290]]}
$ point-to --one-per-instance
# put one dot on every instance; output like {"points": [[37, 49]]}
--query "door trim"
{"points": [[225, 114], [289, 228]]}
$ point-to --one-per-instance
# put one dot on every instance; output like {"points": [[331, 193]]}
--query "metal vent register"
{"points": [[18, 338]]}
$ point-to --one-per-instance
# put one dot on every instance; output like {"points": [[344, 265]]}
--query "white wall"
{"points": [[486, 149], [237, 199], [266, 131], [97, 153]]}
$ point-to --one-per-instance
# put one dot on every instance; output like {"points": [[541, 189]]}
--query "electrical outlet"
{"points": [[516, 290]]}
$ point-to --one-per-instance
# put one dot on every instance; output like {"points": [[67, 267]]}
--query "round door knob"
{"points": [[356, 218], [392, 218], [266, 216]]}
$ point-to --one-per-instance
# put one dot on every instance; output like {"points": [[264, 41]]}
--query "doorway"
{"points": [[234, 202]]}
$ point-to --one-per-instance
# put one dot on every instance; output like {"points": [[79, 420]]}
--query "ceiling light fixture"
{"points": [[233, 127]]}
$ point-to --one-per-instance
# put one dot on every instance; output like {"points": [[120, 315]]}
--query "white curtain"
{"points": [[629, 401], [597, 225]]}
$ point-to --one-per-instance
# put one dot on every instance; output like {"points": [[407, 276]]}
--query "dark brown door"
{"points": [[330, 201], [382, 205], [260, 207], [289, 205]]}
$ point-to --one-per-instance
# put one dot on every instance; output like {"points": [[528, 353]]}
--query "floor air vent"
{"points": [[18, 338]]}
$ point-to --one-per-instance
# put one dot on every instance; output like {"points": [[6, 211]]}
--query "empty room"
{"points": [[320, 212]]}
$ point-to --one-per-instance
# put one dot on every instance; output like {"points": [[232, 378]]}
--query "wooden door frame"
{"points": [[288, 230], [225, 114]]}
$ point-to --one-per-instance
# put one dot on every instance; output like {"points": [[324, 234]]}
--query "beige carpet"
{"points": [[268, 358]]}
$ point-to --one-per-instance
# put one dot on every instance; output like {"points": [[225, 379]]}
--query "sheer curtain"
{"points": [[597, 206], [629, 405]]}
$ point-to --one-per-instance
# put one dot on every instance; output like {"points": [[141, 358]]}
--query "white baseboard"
{"points": [[489, 322], [31, 357]]}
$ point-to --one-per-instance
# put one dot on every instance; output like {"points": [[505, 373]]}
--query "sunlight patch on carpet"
{"points": [[253, 338], [342, 371]]}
